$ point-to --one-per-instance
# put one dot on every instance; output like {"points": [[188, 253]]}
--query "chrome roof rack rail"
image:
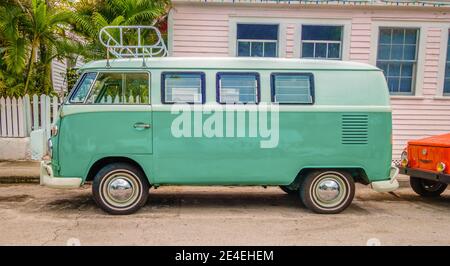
{"points": [[116, 38]]}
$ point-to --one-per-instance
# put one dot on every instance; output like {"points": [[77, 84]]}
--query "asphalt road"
{"points": [[34, 215]]}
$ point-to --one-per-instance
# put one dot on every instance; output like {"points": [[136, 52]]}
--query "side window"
{"points": [[323, 42], [183, 87], [257, 40], [120, 88], [447, 69], [83, 87], [397, 57], [296, 88], [238, 88]]}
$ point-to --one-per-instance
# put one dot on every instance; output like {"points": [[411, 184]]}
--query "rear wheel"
{"points": [[120, 188], [427, 188], [289, 190], [327, 192]]}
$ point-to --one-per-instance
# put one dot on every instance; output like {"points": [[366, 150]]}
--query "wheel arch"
{"points": [[102, 162], [358, 173]]}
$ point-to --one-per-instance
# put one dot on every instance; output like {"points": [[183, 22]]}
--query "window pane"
{"points": [[393, 84], [385, 36], [292, 88], [270, 49], [257, 49], [405, 85], [397, 52], [384, 52], [107, 89], [409, 52], [324, 33], [334, 50], [394, 70], [238, 88], [136, 88], [411, 36], [447, 86], [407, 70], [308, 50], [183, 88], [83, 88], [398, 36], [257, 32], [243, 48], [321, 50]]}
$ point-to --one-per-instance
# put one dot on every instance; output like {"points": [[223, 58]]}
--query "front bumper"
{"points": [[48, 179], [387, 185], [424, 174]]}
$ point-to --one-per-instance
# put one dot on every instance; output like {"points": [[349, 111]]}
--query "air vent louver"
{"points": [[355, 129]]}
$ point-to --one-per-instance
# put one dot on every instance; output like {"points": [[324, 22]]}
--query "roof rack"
{"points": [[130, 41]]}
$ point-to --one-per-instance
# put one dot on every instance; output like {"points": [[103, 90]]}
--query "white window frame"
{"points": [[251, 41], [282, 22], [414, 62], [421, 44], [443, 65], [322, 41], [277, 50]]}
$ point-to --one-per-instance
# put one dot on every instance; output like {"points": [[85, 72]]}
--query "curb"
{"points": [[19, 180]]}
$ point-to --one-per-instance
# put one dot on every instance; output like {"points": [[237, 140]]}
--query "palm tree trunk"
{"points": [[30, 65]]}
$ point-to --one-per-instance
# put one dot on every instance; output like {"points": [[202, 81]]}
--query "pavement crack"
{"points": [[55, 235]]}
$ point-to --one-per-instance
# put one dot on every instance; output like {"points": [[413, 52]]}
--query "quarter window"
{"points": [[238, 87], [257, 40], [447, 69], [120, 88], [321, 42], [292, 88], [397, 57], [183, 87], [83, 87]]}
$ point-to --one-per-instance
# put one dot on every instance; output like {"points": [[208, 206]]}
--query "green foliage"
{"points": [[92, 15], [34, 32]]}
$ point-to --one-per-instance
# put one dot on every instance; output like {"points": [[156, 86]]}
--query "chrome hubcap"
{"points": [[120, 189], [329, 191]]}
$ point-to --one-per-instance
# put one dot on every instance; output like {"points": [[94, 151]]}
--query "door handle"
{"points": [[141, 125]]}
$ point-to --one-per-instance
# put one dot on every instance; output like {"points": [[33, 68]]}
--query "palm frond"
{"points": [[15, 54]]}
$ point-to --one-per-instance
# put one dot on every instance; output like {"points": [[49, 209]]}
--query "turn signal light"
{"points": [[440, 167], [404, 158]]}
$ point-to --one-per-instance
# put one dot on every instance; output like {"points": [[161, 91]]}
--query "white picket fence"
{"points": [[19, 116]]}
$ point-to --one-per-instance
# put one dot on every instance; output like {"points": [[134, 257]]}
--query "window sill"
{"points": [[442, 98], [407, 97]]}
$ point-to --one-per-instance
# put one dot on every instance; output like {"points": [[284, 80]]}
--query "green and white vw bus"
{"points": [[312, 127]]}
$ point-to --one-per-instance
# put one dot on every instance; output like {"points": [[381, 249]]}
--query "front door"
{"points": [[115, 119]]}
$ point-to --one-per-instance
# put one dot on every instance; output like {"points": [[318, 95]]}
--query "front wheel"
{"points": [[120, 188], [327, 192], [427, 188]]}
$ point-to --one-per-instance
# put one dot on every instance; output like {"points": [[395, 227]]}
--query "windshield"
{"points": [[83, 87]]}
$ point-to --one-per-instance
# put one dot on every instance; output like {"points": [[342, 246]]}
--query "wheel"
{"points": [[327, 191], [120, 188], [427, 188], [289, 191]]}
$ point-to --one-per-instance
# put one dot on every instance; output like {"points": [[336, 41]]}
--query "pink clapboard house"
{"points": [[409, 40]]}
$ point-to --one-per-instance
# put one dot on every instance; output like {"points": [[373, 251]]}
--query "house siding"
{"points": [[59, 68], [203, 29]]}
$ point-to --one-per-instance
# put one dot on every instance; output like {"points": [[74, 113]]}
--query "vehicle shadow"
{"points": [[169, 202]]}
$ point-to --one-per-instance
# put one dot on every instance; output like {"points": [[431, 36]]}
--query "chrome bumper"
{"points": [[387, 185], [48, 179]]}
